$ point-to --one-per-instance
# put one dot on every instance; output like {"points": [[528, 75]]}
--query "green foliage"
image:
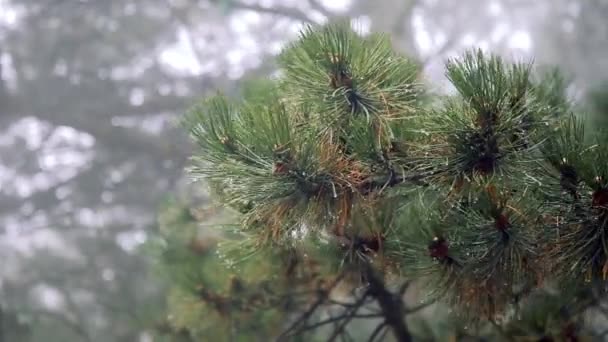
{"points": [[340, 73], [597, 109], [210, 298], [488, 85], [484, 198]]}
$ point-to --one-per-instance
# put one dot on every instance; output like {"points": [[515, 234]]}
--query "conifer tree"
{"points": [[360, 206]]}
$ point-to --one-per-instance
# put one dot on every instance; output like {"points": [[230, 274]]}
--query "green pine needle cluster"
{"points": [[486, 197]]}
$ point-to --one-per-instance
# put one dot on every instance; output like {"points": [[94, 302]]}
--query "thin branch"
{"points": [[317, 6], [404, 287], [353, 310], [392, 306], [350, 314], [383, 335], [322, 295], [344, 304], [305, 316], [321, 323], [279, 10], [377, 331], [393, 179], [419, 307]]}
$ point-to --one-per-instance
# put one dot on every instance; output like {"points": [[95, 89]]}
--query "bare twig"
{"points": [[383, 334], [316, 325], [377, 331], [284, 11], [349, 314], [322, 295], [344, 304], [352, 311]]}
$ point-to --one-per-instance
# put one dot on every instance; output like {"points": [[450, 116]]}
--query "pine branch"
{"points": [[505, 200], [322, 296], [392, 306], [393, 179]]}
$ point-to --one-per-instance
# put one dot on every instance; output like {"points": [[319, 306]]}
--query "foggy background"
{"points": [[89, 93]]}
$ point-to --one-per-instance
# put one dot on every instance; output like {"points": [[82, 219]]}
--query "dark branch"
{"points": [[347, 316], [393, 179], [322, 295], [377, 331], [316, 325], [352, 311], [344, 304], [391, 305]]}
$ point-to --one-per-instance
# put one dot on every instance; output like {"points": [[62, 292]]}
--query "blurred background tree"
{"points": [[88, 94]]}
